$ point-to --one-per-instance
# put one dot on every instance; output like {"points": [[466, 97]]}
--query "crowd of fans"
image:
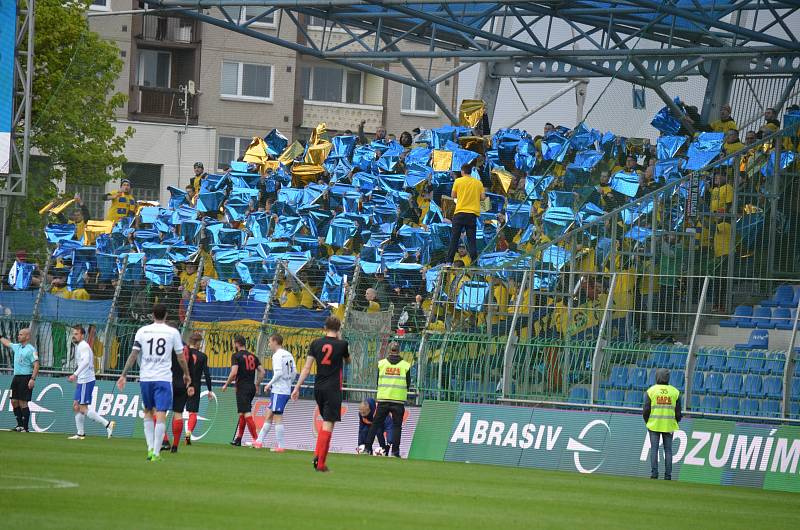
{"points": [[390, 203]]}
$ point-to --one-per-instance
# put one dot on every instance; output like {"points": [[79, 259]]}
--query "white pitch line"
{"points": [[47, 483]]}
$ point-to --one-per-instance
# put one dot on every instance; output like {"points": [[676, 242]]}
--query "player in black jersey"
{"points": [[180, 393], [248, 372], [330, 353], [198, 369]]}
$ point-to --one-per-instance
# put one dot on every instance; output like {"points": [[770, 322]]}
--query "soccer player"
{"points": [[26, 368], [198, 369], [84, 377], [330, 353], [180, 394], [248, 372], [283, 374], [154, 341]]}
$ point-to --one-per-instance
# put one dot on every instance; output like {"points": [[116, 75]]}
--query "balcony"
{"points": [[171, 31], [341, 116], [160, 104]]}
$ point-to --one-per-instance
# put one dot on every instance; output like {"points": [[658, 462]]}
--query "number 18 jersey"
{"points": [[330, 354], [156, 343]]}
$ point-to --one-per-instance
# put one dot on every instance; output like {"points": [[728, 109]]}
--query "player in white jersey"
{"points": [[284, 371], [156, 343], [84, 376]]}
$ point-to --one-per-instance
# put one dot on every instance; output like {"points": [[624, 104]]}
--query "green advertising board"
{"points": [[705, 451]]}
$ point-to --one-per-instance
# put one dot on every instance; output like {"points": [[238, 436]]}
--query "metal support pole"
{"points": [[352, 293], [262, 333], [773, 208], [732, 215], [554, 96], [788, 368], [37, 303], [489, 312], [421, 358], [598, 347], [192, 299], [508, 354], [651, 283], [691, 357], [112, 314]]}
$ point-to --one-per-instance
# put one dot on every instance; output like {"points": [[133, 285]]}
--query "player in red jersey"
{"points": [[248, 372], [330, 353]]}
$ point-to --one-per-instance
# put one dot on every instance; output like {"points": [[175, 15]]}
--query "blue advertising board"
{"points": [[8, 32]]}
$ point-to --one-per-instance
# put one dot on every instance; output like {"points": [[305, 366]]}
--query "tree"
{"points": [[72, 119]]}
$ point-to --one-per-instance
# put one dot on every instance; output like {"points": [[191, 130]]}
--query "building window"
{"points": [[100, 5], [155, 68], [336, 85], [251, 12], [416, 101], [92, 195], [230, 149], [246, 81], [145, 180]]}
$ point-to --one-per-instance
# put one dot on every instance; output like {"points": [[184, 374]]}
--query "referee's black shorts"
{"points": [[179, 397], [19, 388], [244, 398], [329, 402]]}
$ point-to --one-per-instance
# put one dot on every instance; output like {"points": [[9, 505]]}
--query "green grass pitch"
{"points": [[213, 486]]}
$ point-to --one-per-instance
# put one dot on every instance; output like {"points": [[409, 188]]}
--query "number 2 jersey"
{"points": [[330, 354], [246, 373], [156, 343]]}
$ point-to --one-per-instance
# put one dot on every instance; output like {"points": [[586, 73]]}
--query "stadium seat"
{"points": [[729, 405], [753, 386], [711, 360], [638, 378], [677, 379], [710, 404], [762, 318], [634, 398], [755, 363], [795, 388], [773, 387], [579, 394], [677, 361], [618, 378], [732, 385], [735, 362], [659, 358], [759, 340], [615, 398], [794, 410], [775, 363], [782, 318], [713, 383], [750, 407], [696, 402], [771, 408], [783, 297], [741, 317], [698, 383]]}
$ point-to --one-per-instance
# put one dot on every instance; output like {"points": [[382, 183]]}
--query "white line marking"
{"points": [[46, 483]]}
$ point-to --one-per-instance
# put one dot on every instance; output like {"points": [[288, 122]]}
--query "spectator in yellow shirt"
{"points": [[468, 193], [725, 122], [188, 277], [463, 256], [732, 143], [372, 301], [721, 194], [122, 202]]}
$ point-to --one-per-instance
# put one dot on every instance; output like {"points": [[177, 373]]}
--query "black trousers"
{"points": [[384, 408], [463, 222]]}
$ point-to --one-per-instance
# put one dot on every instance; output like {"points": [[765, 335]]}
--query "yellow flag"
{"points": [[305, 174], [502, 179], [471, 112], [94, 229], [47, 207], [442, 160], [290, 153], [318, 152], [316, 134], [61, 207], [256, 151]]}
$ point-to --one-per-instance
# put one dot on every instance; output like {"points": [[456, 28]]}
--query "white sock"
{"points": [[279, 434], [262, 434], [79, 420], [161, 428], [149, 428], [92, 415]]}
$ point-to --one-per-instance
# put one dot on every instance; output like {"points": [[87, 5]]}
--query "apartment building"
{"points": [[243, 87]]}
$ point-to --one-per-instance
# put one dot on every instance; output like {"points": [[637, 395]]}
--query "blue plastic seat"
{"points": [[634, 398], [771, 408], [783, 297], [774, 363], [615, 398], [735, 362], [782, 318], [713, 383], [732, 385], [696, 402], [660, 357], [795, 388], [759, 340], [750, 407], [755, 363], [762, 318], [579, 394], [618, 378], [741, 317], [773, 387], [711, 361], [729, 405], [753, 386], [794, 410], [638, 378], [677, 379], [710, 404], [677, 361], [698, 383]]}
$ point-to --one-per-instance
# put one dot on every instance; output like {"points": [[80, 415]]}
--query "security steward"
{"points": [[662, 412], [394, 379]]}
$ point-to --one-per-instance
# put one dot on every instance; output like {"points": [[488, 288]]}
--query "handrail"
{"points": [[691, 357]]}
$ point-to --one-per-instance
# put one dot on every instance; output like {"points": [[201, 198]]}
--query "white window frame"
{"points": [[260, 24], [240, 70], [237, 147], [343, 99], [105, 7], [336, 29], [140, 69], [411, 112]]}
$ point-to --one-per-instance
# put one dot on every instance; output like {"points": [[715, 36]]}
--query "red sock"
{"points": [[240, 428], [192, 421], [325, 438], [318, 447], [177, 428], [251, 426]]}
